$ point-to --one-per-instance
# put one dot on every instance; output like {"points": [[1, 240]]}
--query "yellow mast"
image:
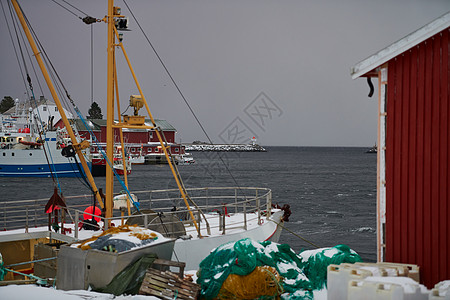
{"points": [[77, 146], [129, 122], [110, 112], [160, 138]]}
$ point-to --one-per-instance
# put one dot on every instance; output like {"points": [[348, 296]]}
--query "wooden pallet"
{"points": [[167, 285]]}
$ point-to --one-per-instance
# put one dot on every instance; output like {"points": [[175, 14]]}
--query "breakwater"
{"points": [[224, 148]]}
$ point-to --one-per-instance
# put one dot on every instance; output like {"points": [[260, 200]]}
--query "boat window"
{"points": [[44, 108], [12, 154], [177, 149], [149, 150], [56, 108], [31, 154], [133, 149], [4, 154]]}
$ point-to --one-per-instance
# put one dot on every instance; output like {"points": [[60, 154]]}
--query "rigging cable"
{"points": [[52, 167], [52, 68], [68, 9], [29, 56], [183, 97], [60, 84], [92, 64], [15, 51]]}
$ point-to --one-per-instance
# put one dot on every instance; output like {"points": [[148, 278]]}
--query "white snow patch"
{"points": [[27, 292]]}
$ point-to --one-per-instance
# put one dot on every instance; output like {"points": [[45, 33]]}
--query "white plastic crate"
{"points": [[441, 291], [387, 288], [339, 276]]}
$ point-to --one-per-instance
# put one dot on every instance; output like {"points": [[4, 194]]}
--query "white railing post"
{"points": [[259, 211], [26, 222], [245, 214], [269, 204], [76, 224], [235, 201]]}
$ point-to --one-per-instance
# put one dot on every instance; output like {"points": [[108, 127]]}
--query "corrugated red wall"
{"points": [[418, 158]]}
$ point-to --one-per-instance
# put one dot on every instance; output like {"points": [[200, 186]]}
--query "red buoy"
{"points": [[90, 210]]}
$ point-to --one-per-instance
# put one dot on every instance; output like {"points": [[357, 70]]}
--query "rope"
{"points": [[183, 97], [68, 10], [51, 165], [136, 204], [295, 234], [29, 262], [15, 50], [38, 279]]}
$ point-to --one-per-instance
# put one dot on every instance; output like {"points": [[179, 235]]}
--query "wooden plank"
{"points": [[435, 149], [427, 164], [420, 158], [412, 158], [167, 284], [404, 148], [24, 281], [445, 159], [390, 108], [397, 215]]}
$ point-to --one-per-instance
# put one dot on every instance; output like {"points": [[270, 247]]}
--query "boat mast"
{"points": [[135, 121], [110, 112], [77, 146]]}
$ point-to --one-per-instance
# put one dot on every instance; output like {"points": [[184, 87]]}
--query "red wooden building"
{"points": [[413, 199], [137, 141]]}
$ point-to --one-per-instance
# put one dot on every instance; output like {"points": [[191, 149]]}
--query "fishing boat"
{"points": [[197, 220], [185, 159], [33, 151]]}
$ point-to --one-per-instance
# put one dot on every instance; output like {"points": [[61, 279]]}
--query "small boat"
{"points": [[374, 149], [137, 159], [118, 165], [184, 159]]}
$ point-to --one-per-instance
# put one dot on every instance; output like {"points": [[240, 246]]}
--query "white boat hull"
{"points": [[193, 251]]}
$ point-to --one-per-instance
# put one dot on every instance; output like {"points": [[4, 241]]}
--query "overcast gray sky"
{"points": [[279, 70]]}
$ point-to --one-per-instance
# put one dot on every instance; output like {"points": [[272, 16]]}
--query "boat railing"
{"points": [[253, 203]]}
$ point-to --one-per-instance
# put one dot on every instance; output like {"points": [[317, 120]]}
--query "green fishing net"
{"points": [[315, 262], [302, 274], [242, 257], [2, 269]]}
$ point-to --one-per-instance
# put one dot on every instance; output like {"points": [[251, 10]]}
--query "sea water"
{"points": [[331, 191]]}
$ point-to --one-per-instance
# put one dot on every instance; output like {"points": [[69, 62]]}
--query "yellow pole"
{"points": [[183, 194], [119, 118], [110, 112], [75, 144]]}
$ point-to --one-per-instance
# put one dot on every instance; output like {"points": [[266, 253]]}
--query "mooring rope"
{"points": [[295, 234]]}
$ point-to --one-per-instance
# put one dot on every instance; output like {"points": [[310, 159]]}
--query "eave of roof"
{"points": [[400, 46], [99, 123]]}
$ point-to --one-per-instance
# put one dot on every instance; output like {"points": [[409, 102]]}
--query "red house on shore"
{"points": [[137, 141], [413, 182]]}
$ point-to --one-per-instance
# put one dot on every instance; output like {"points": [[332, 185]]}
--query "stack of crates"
{"points": [[375, 281]]}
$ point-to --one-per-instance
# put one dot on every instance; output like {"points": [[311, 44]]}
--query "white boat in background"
{"points": [[137, 160], [118, 165], [184, 159], [25, 153]]}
